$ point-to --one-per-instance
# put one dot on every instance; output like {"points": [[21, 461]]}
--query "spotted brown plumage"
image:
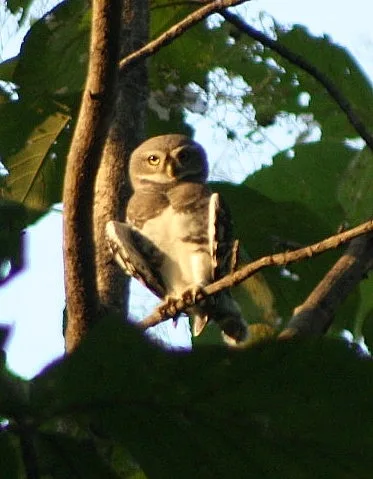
{"points": [[178, 234]]}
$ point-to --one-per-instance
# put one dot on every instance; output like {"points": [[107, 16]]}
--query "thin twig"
{"points": [[176, 31], [280, 259], [301, 62]]}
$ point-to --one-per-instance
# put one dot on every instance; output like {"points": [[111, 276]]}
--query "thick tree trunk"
{"points": [[81, 169], [126, 132]]}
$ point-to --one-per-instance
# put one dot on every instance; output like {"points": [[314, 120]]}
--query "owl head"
{"points": [[166, 160]]}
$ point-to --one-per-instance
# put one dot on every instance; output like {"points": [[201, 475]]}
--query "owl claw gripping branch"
{"points": [[178, 237]]}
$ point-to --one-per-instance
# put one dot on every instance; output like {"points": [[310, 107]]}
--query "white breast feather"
{"points": [[185, 264]]}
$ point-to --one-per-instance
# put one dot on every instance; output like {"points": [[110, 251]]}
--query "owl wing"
{"points": [[223, 249], [136, 255]]}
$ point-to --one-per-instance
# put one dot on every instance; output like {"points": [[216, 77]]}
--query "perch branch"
{"points": [[316, 314], [81, 169], [301, 62], [248, 270], [176, 31]]}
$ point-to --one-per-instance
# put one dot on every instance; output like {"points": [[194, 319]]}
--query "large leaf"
{"points": [[288, 205], [355, 192], [335, 63], [364, 323], [61, 456], [275, 85], [34, 138], [29, 132], [7, 69], [10, 458], [311, 178], [58, 45], [265, 227], [189, 60], [342, 69], [172, 64], [289, 410], [12, 221]]}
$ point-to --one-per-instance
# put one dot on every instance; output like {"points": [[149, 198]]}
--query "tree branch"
{"points": [[176, 31], [316, 314], [301, 62], [280, 259], [82, 165]]}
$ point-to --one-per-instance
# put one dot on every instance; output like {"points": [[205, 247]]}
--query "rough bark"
{"points": [[82, 165], [127, 131]]}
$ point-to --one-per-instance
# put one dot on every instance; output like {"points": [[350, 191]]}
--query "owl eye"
{"points": [[184, 156], [153, 160]]}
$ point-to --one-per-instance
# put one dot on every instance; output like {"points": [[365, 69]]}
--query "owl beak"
{"points": [[170, 170]]}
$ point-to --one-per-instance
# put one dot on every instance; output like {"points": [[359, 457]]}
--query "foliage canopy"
{"points": [[274, 410]]}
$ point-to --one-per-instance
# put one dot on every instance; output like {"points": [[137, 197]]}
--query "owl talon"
{"points": [[189, 295], [168, 307]]}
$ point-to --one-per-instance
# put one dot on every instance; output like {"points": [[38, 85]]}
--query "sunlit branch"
{"points": [[280, 259]]}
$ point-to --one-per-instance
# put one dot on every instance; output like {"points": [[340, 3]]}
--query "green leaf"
{"points": [[363, 329], [355, 192], [264, 226], [275, 85], [338, 64], [289, 205], [7, 69], [305, 210], [275, 409], [58, 45], [311, 178], [61, 456], [29, 133], [256, 300], [13, 395], [173, 62], [13, 221], [174, 123], [10, 458]]}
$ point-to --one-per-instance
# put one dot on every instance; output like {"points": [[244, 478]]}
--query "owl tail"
{"points": [[199, 323], [234, 330], [227, 315]]}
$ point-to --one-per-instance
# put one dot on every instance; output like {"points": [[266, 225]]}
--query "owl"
{"points": [[178, 236]]}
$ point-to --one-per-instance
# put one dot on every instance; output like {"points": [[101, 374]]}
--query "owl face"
{"points": [[166, 160]]}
